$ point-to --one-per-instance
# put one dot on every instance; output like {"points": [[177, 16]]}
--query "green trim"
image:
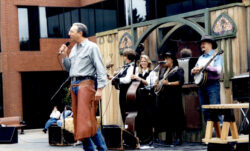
{"points": [[196, 19], [166, 19], [226, 76], [169, 24], [169, 34], [247, 3], [134, 33], [227, 6], [219, 48], [194, 26], [160, 36], [231, 73], [124, 28], [207, 21]]}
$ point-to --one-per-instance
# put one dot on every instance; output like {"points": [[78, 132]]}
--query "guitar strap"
{"points": [[213, 55], [166, 74]]}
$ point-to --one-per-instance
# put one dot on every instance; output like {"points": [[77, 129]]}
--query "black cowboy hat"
{"points": [[210, 39], [170, 54]]}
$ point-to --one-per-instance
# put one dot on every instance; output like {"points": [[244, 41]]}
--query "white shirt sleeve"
{"points": [[137, 71], [127, 78], [152, 77]]}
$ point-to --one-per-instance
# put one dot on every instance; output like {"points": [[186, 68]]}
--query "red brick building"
{"points": [[33, 30], [14, 62]]}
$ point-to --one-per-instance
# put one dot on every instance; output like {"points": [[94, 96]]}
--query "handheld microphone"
{"points": [[162, 62], [67, 44]]}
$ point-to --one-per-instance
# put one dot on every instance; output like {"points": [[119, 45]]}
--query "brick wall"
{"points": [[13, 61]]}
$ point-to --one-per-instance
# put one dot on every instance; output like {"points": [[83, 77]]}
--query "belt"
{"points": [[82, 78]]}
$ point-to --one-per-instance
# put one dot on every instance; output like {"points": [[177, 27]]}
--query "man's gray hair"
{"points": [[82, 28]]}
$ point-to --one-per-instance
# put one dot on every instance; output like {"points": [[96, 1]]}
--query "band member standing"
{"points": [[124, 80], [210, 92], [84, 64], [144, 74], [145, 99], [169, 100]]}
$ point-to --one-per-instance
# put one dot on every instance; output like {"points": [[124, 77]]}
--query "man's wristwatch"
{"points": [[169, 83]]}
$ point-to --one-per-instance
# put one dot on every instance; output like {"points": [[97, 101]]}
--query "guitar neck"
{"points": [[134, 67], [208, 62]]}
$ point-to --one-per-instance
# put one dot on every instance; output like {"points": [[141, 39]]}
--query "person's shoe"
{"points": [[44, 130]]}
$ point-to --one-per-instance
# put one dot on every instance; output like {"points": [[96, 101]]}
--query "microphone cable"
{"points": [[60, 88], [60, 62]]}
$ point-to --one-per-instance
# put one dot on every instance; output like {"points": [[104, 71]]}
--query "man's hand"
{"points": [[135, 77], [98, 94], [165, 82], [63, 49], [196, 70], [156, 84]]}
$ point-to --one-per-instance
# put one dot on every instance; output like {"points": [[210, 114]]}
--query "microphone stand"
{"points": [[62, 130], [156, 67]]}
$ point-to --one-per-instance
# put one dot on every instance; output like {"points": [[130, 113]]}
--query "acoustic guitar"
{"points": [[159, 87], [201, 78]]}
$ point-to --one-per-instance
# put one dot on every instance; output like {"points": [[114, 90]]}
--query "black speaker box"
{"points": [[241, 87], [60, 137], [242, 146], [113, 137], [8, 135], [220, 147], [187, 64]]}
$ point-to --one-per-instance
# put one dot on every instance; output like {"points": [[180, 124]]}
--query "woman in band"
{"points": [[170, 109], [145, 99], [144, 73], [124, 79]]}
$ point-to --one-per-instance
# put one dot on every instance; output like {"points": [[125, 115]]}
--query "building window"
{"points": [[43, 22], [55, 22], [98, 17], [29, 32], [59, 21], [102, 16], [173, 7], [88, 18]]}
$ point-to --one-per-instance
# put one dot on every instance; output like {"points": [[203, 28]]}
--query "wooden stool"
{"points": [[228, 123]]}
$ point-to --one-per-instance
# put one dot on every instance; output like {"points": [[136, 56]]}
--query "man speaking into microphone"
{"points": [[84, 65]]}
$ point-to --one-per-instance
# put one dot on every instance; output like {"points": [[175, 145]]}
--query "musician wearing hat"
{"points": [[207, 73], [168, 89]]}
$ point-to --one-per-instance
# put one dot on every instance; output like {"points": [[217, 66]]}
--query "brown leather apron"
{"points": [[84, 110]]}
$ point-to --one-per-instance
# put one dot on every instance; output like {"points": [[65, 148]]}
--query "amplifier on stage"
{"points": [[60, 137], [241, 87], [8, 135], [187, 64], [113, 137]]}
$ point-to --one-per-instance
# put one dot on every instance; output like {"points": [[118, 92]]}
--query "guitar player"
{"points": [[124, 79], [209, 93]]}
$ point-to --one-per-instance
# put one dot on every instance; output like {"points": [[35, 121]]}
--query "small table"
{"points": [[228, 122]]}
